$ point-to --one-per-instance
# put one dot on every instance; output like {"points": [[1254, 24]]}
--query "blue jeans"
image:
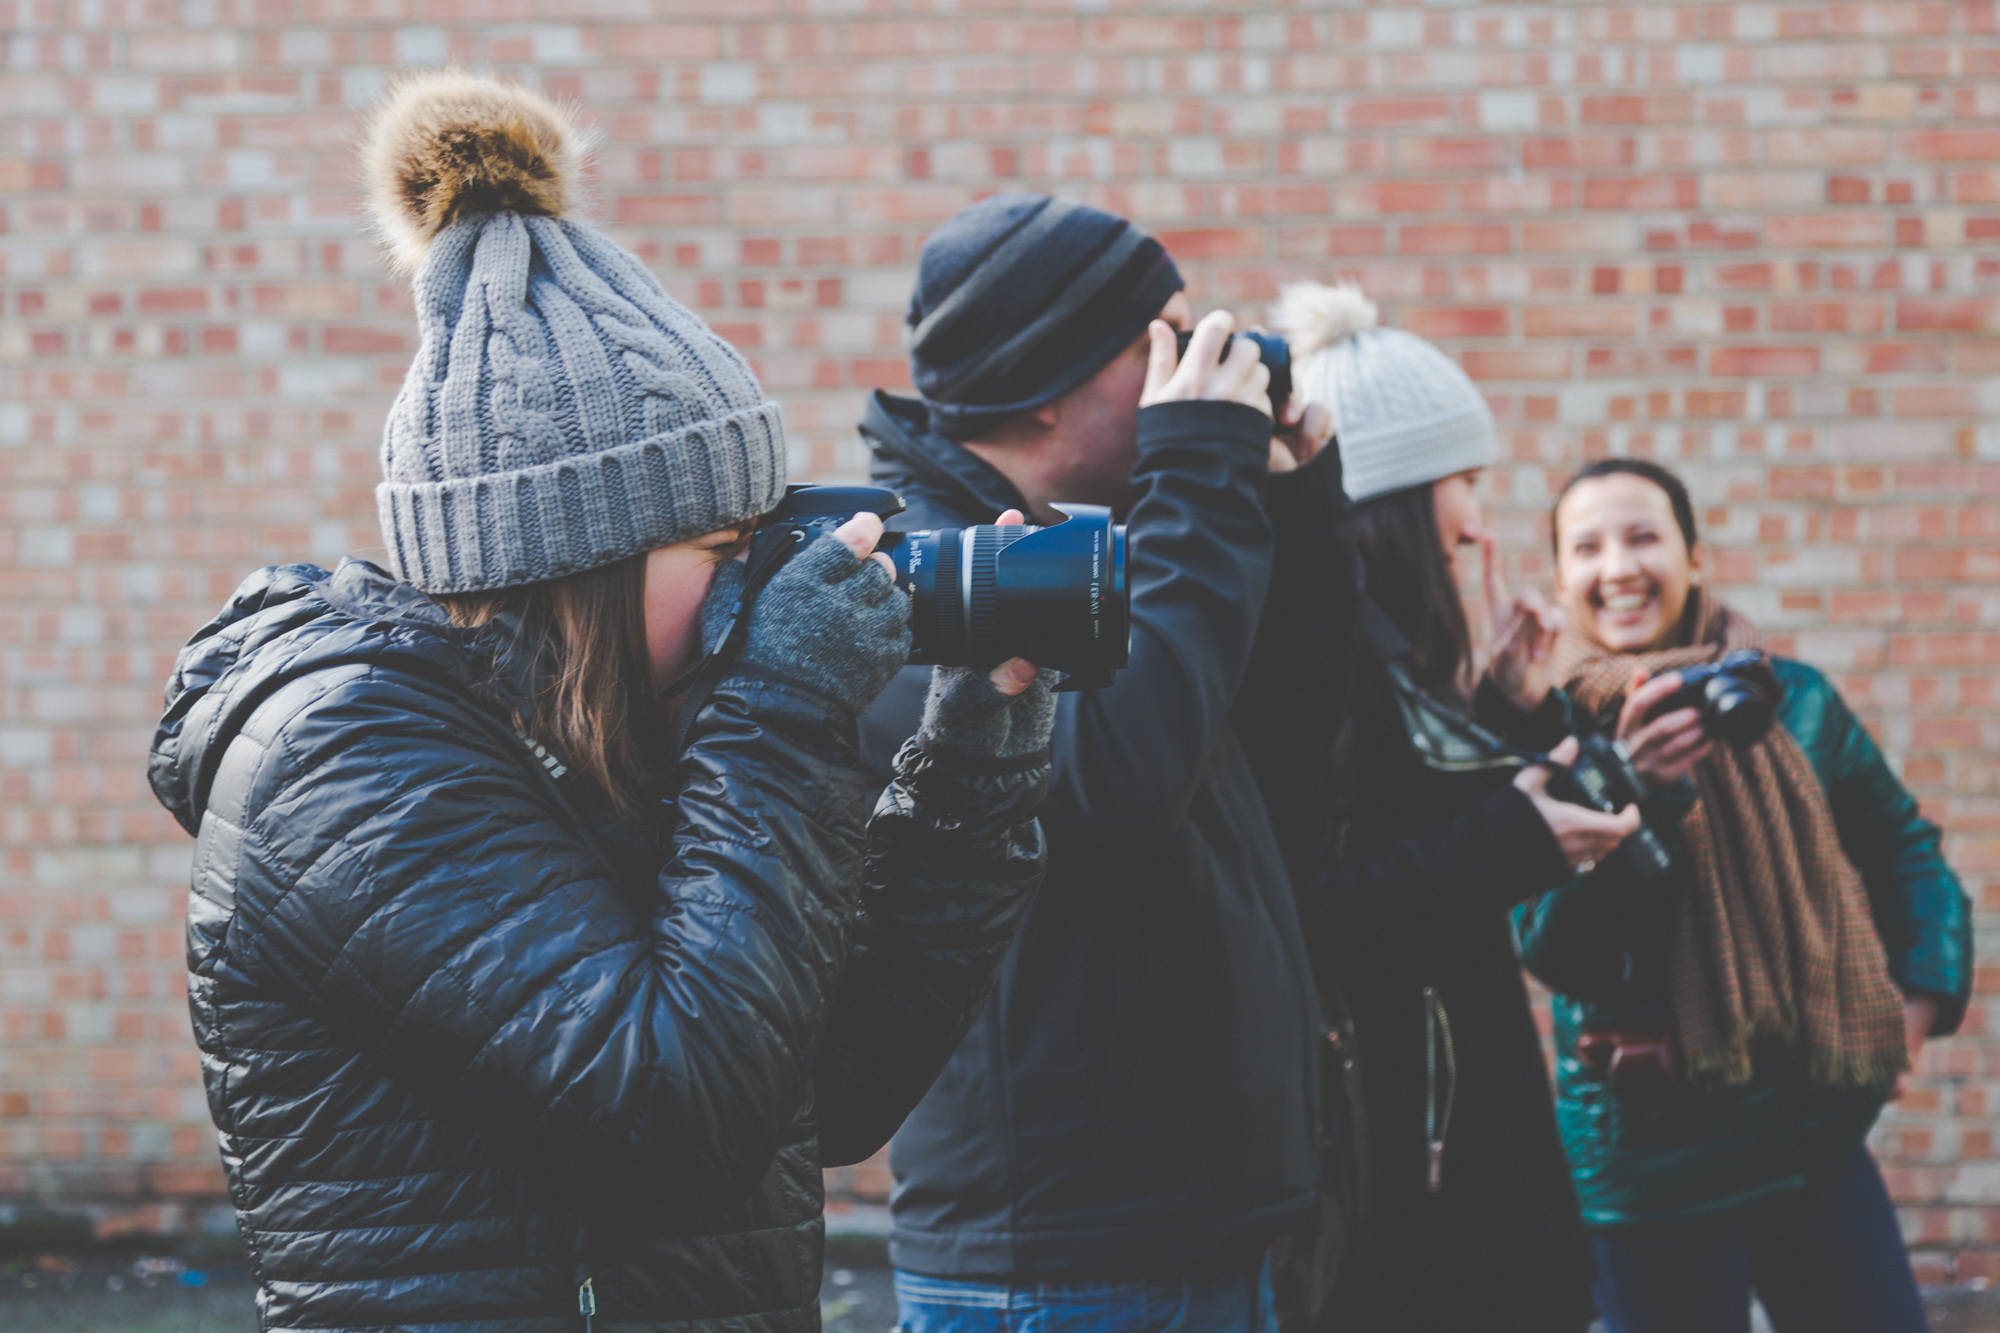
{"points": [[1826, 1259], [1217, 1300]]}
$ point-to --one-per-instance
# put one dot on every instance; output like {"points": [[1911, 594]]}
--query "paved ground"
{"points": [[856, 1298], [87, 1305]]}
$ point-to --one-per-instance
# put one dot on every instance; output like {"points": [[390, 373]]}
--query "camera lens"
{"points": [[981, 595], [1054, 595], [1735, 712]]}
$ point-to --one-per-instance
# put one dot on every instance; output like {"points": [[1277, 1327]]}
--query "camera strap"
{"points": [[1445, 738], [770, 548]]}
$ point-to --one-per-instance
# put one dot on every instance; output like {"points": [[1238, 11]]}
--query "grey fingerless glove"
{"points": [[967, 721], [828, 621]]}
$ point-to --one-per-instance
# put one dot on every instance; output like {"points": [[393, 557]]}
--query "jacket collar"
{"points": [[910, 456], [290, 620], [492, 659]]}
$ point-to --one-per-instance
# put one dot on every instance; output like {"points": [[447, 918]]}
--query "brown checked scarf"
{"points": [[1775, 936]]}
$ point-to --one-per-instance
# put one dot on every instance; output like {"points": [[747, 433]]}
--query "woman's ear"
{"points": [[1694, 564]]}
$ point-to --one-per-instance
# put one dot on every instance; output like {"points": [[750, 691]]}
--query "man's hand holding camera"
{"points": [[1241, 376], [1205, 373]]}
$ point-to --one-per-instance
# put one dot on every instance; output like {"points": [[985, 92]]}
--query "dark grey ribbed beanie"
{"points": [[1022, 297], [563, 411]]}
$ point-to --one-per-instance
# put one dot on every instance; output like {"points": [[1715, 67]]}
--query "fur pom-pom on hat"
{"points": [[447, 145], [1405, 413], [1313, 315], [562, 412]]}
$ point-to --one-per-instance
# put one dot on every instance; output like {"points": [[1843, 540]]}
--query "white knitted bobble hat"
{"points": [[563, 412], [1404, 413]]}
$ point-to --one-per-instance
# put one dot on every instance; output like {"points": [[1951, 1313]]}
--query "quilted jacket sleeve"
{"points": [[400, 873], [954, 856]]}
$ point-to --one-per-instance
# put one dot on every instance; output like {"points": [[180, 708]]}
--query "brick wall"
{"points": [[1760, 241]]}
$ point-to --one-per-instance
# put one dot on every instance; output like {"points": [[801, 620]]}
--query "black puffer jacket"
{"points": [[471, 1042]]}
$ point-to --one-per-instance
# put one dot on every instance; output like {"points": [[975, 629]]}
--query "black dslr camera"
{"points": [[1273, 351], [1602, 778], [1738, 696], [980, 595]]}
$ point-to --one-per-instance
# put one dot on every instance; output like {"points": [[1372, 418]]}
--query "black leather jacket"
{"points": [[478, 1050]]}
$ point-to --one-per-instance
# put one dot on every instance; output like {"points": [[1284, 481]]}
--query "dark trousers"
{"points": [[1825, 1259]]}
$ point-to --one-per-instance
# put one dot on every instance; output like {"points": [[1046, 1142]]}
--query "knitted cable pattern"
{"points": [[563, 412]]}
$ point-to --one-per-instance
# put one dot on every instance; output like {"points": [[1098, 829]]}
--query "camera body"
{"points": [[1738, 696], [1603, 778], [1273, 351], [980, 595]]}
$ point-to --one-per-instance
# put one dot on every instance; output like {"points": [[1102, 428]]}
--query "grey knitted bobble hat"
{"points": [[1405, 413], [563, 412]]}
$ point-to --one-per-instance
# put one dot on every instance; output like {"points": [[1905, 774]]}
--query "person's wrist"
{"points": [[1211, 423]]}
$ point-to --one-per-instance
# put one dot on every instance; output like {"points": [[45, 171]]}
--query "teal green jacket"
{"points": [[1600, 944]]}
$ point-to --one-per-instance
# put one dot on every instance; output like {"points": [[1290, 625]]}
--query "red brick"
{"points": [[1456, 322], [1582, 321], [1953, 316], [1651, 193], [1764, 361], [1949, 145], [1453, 238], [1389, 113], [1215, 243]]}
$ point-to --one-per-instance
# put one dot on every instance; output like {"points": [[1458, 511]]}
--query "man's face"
{"points": [[1095, 439]]}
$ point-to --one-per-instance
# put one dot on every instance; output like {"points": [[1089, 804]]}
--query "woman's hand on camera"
{"points": [[1204, 373], [829, 619], [1586, 836], [1303, 430], [860, 534], [1666, 749], [1524, 636]]}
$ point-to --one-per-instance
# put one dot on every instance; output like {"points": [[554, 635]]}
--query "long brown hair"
{"points": [[1409, 576], [588, 633]]}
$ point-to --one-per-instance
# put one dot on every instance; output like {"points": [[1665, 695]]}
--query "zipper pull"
{"points": [[586, 1302], [1435, 1154]]}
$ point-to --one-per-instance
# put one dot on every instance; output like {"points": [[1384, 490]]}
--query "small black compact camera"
{"points": [[1738, 696], [980, 595], [1603, 778], [1273, 351]]}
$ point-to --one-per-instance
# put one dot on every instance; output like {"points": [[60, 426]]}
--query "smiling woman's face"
{"points": [[1623, 569]]}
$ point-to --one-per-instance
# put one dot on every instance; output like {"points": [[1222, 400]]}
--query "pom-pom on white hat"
{"points": [[1404, 413], [563, 412]]}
